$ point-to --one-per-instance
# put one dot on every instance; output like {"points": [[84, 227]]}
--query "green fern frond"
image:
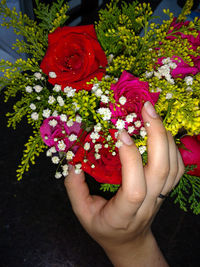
{"points": [[109, 187], [33, 148]]}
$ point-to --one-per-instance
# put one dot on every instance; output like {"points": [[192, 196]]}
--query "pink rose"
{"points": [[183, 69], [193, 41], [190, 152], [135, 93], [55, 132]]}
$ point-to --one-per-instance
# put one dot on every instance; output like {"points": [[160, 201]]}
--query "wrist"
{"points": [[142, 251]]}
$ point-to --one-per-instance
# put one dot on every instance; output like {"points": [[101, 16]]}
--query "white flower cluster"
{"points": [[69, 91], [164, 70], [105, 112]]}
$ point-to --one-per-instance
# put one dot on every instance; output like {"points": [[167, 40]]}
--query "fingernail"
{"points": [[70, 167], [150, 109], [125, 138]]}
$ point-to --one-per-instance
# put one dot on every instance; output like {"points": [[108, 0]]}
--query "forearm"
{"points": [[138, 254]]}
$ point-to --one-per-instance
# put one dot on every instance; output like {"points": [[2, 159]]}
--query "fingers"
{"points": [[133, 190], [78, 192], [173, 163], [157, 168]]}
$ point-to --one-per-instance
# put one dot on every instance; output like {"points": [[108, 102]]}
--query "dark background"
{"points": [[39, 229]]}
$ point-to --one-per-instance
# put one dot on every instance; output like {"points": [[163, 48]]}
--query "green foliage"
{"points": [[187, 192], [33, 148], [109, 187], [52, 16], [119, 24]]}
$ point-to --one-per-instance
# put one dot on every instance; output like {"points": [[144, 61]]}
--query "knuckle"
{"points": [[136, 196]]}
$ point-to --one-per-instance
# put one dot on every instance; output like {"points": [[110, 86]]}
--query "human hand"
{"points": [[122, 225]]}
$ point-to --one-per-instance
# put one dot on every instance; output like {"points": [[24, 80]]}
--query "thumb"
{"points": [[78, 191]]}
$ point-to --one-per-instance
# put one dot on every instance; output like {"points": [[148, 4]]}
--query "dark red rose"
{"points": [[75, 56], [107, 169], [190, 152]]}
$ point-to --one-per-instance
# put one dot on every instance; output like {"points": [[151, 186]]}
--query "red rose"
{"points": [[190, 152], [75, 56], [107, 169]]}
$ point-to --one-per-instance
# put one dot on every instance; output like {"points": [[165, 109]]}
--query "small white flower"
{"points": [[78, 166], [137, 123], [158, 89], [86, 146], [70, 123], [169, 96], [169, 79], [55, 159], [114, 153], [76, 106], [61, 145], [120, 124], [70, 92], [85, 160], [131, 129], [38, 98], [172, 65], [51, 99], [147, 124], [69, 155], [92, 166], [110, 58], [65, 173], [57, 88], [130, 117], [65, 167], [29, 89], [189, 80], [106, 145], [122, 100], [105, 112], [52, 149], [78, 119], [95, 87], [157, 74], [118, 144], [104, 99], [48, 153], [143, 132], [55, 113], [46, 113], [108, 138], [58, 175], [35, 116], [189, 89], [72, 137], [37, 75], [98, 92], [53, 122], [32, 106], [166, 60], [63, 117], [97, 156], [94, 135], [38, 88], [60, 101], [106, 77], [97, 127], [142, 149], [52, 74], [148, 74], [97, 147]]}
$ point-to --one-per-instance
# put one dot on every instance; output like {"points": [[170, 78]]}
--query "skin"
{"points": [[122, 225]]}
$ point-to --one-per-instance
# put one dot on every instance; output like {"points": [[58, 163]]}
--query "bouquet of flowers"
{"points": [[81, 85]]}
